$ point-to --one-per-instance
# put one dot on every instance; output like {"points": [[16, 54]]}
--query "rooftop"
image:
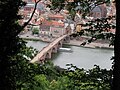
{"points": [[52, 23], [56, 16]]}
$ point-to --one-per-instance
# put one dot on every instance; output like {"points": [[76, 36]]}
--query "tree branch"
{"points": [[96, 4], [26, 23]]}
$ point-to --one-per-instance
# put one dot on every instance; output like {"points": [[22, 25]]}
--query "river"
{"points": [[81, 57]]}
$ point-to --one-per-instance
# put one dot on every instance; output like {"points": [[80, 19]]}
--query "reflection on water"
{"points": [[81, 57]]}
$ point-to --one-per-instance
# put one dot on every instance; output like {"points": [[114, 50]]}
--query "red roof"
{"points": [[56, 23], [52, 23], [47, 23], [57, 16]]}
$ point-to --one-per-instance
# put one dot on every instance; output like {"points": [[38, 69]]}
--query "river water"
{"points": [[81, 57]]}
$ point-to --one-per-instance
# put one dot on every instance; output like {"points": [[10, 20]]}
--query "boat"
{"points": [[65, 49]]}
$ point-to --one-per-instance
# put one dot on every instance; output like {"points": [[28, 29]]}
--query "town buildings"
{"points": [[51, 24], [48, 23], [27, 11]]}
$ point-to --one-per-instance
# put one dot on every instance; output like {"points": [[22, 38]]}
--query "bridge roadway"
{"points": [[47, 48]]}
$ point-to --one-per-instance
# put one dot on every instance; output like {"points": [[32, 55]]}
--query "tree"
{"points": [[92, 79], [35, 31], [116, 68], [11, 44]]}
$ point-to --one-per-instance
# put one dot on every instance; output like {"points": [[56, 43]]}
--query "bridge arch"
{"points": [[59, 44], [66, 39], [55, 49], [48, 55]]}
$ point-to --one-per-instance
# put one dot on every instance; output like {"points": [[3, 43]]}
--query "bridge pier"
{"points": [[55, 49], [67, 39], [41, 59], [48, 54], [60, 44]]}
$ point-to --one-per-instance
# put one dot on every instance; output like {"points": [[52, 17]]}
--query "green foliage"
{"points": [[35, 31], [57, 4], [9, 41], [100, 29], [63, 83], [70, 79], [93, 79], [39, 83]]}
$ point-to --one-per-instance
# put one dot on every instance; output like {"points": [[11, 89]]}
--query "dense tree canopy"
{"points": [[10, 42]]}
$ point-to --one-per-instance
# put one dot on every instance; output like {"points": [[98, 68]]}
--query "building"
{"points": [[57, 29], [113, 8], [103, 8], [99, 12], [53, 25], [96, 12], [56, 17], [53, 28], [45, 28], [68, 29]]}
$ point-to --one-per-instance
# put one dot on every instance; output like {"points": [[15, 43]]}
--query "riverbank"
{"points": [[34, 38], [73, 42], [91, 45]]}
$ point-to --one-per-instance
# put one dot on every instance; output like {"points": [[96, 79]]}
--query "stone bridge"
{"points": [[46, 52]]}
